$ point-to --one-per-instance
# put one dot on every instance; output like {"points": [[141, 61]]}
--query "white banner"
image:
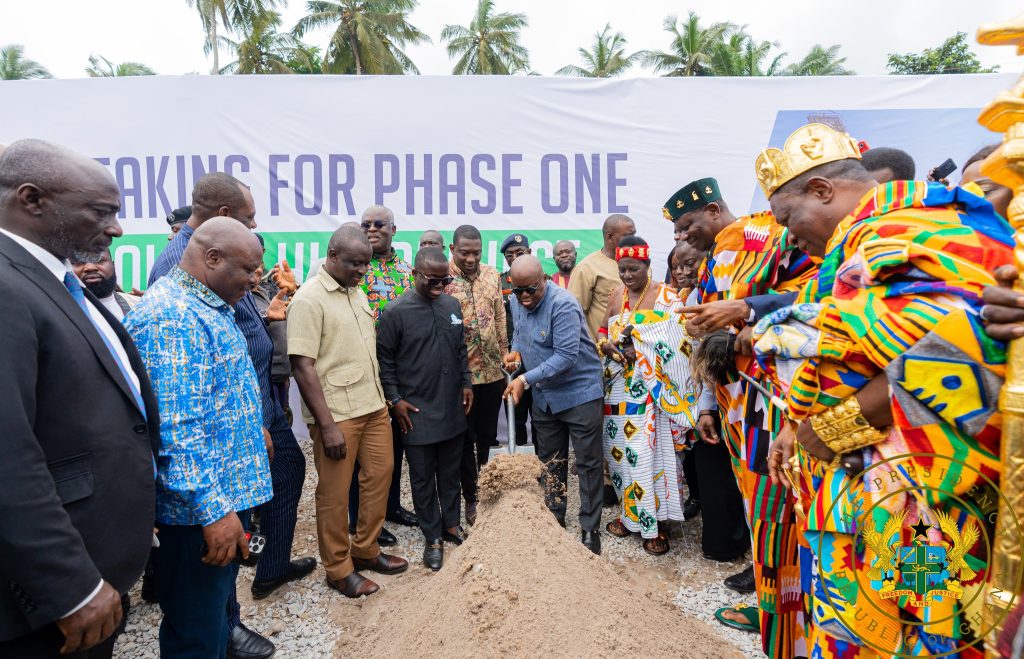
{"points": [[548, 156]]}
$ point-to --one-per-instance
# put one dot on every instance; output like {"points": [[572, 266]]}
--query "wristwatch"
{"points": [[526, 385], [394, 401]]}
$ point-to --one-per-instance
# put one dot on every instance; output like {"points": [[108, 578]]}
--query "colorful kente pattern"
{"points": [[899, 292], [387, 278], [754, 256]]}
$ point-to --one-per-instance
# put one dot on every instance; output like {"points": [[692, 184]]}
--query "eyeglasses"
{"points": [[439, 282], [376, 224], [519, 290]]}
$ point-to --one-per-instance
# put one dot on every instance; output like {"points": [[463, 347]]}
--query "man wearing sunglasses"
{"points": [[387, 277], [426, 380], [563, 371]]}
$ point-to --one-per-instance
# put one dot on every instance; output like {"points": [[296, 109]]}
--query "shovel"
{"points": [[511, 416]]}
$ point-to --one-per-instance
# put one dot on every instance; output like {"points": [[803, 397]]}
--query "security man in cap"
{"points": [[514, 246], [176, 218], [750, 260]]}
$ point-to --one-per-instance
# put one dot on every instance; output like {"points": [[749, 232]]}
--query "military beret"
{"points": [[692, 196], [179, 215], [515, 240]]}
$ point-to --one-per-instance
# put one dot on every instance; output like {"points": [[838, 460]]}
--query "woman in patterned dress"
{"points": [[649, 397]]}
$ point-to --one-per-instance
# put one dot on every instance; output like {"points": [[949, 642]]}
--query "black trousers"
{"points": [[394, 494], [481, 434], [434, 478], [45, 643], [278, 516], [724, 534], [690, 473], [580, 425]]}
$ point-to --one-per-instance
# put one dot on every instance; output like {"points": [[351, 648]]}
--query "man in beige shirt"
{"points": [[333, 348], [594, 278]]}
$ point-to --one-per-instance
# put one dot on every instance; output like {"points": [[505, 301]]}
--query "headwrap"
{"points": [[638, 252]]}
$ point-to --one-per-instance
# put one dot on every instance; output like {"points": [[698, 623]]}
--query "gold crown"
{"points": [[808, 147]]}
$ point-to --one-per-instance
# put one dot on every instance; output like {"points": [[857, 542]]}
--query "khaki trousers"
{"points": [[368, 439]]}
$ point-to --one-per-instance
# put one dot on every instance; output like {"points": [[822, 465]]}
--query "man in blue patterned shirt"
{"points": [[212, 466]]}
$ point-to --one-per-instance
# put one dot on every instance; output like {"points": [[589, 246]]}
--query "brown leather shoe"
{"points": [[354, 585], [383, 564], [471, 512]]}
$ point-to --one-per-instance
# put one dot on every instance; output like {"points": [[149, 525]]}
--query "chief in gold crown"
{"points": [[883, 357]]}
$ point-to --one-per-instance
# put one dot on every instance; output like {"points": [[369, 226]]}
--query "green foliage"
{"points": [[490, 45], [820, 61], [232, 15], [262, 48], [306, 59], [101, 67], [954, 55], [693, 47], [368, 35], [15, 66], [740, 55], [606, 58]]}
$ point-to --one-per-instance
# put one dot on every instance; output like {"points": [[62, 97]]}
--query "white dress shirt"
{"points": [[110, 302], [58, 268]]}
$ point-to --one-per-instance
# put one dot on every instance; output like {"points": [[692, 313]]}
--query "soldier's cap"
{"points": [[179, 215], [692, 196], [515, 240]]}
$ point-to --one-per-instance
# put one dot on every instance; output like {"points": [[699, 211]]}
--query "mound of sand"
{"points": [[521, 586]]}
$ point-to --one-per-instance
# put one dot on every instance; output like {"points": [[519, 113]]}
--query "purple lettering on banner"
{"points": [[317, 184], [614, 182], [276, 182], [231, 161], [134, 190], [179, 167], [589, 178], [447, 186], [562, 164], [337, 184], [155, 186], [103, 161], [379, 187], [199, 170], [489, 190], [426, 184], [507, 183]]}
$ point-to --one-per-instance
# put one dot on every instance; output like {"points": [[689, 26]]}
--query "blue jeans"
{"points": [[193, 596]]}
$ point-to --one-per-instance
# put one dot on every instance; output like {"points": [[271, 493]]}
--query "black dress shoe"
{"points": [[385, 539], [691, 508], [592, 541], [433, 555], [457, 538], [296, 570], [403, 517], [610, 498], [244, 643], [560, 520], [742, 582], [471, 512]]}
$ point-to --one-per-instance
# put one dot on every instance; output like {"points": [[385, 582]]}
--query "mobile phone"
{"points": [[257, 543], [862, 146], [943, 170]]}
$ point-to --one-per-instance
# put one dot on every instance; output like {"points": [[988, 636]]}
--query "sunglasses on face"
{"points": [[529, 290], [376, 224], [439, 282]]}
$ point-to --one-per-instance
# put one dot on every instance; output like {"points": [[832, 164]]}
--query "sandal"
{"points": [[657, 546], [618, 529], [751, 613]]}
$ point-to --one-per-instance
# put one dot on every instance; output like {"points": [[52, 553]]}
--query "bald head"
{"points": [[528, 281], [57, 198], [219, 194], [615, 228], [528, 266], [431, 238], [348, 255], [224, 256]]}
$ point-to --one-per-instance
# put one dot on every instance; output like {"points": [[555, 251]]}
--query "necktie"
{"points": [[75, 288]]}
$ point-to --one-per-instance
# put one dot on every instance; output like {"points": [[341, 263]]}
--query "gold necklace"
{"points": [[625, 295]]}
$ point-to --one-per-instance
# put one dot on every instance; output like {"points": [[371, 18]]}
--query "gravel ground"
{"points": [[305, 619]]}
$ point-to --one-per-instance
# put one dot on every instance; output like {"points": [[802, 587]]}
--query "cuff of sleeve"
{"points": [[212, 507], [752, 315], [94, 593], [303, 349]]}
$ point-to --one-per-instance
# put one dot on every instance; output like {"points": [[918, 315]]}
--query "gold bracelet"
{"points": [[843, 427]]}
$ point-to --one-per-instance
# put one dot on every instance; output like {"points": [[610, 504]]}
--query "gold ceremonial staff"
{"points": [[1005, 115]]}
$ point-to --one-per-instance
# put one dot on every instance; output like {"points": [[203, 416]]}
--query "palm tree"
{"points": [[820, 61], [692, 49], [107, 69], [740, 55], [306, 59], [232, 14], [15, 66], [368, 34], [606, 58], [263, 49], [490, 45]]}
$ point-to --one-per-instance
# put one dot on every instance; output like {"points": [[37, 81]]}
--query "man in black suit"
{"points": [[78, 419]]}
